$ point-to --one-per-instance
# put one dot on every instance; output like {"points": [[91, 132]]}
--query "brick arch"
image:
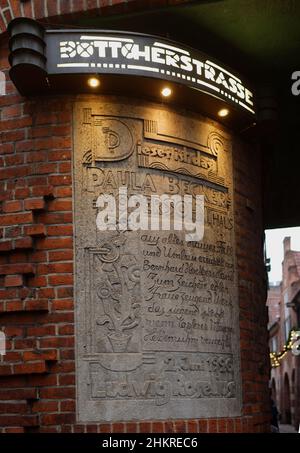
{"points": [[286, 415], [63, 10]]}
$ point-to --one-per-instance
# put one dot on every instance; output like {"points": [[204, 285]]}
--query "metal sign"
{"points": [[45, 60], [134, 54]]}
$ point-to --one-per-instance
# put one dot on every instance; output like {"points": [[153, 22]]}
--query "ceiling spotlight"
{"points": [[93, 82], [166, 92], [223, 112]]}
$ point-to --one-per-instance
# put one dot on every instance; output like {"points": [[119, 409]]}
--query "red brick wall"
{"points": [[255, 363], [37, 375], [63, 10], [274, 303]]}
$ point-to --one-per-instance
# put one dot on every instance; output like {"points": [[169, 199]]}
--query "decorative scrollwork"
{"points": [[215, 143]]}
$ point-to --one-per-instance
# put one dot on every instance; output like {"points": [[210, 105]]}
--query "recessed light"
{"points": [[223, 112], [166, 92], [93, 82]]}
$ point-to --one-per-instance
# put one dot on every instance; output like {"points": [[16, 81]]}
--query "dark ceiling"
{"points": [[261, 40], [261, 37]]}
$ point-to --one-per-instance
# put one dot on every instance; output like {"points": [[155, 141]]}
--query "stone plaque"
{"points": [[157, 333]]}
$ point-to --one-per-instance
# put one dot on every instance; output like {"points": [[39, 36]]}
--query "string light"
{"points": [[276, 357]]}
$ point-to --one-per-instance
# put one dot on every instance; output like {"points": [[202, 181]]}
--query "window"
{"points": [[286, 297], [287, 328], [286, 310], [274, 344]]}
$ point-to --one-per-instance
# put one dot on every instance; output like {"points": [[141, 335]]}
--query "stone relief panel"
{"points": [[157, 333]]}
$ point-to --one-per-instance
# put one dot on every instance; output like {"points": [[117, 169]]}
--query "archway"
{"points": [[286, 412], [274, 392], [293, 402]]}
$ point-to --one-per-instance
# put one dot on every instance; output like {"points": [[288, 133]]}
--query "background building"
{"points": [[283, 317]]}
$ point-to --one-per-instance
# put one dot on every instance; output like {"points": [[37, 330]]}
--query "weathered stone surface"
{"points": [[157, 317]]}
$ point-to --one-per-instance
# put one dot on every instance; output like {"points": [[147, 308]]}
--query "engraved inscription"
{"points": [[179, 160], [156, 317]]}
